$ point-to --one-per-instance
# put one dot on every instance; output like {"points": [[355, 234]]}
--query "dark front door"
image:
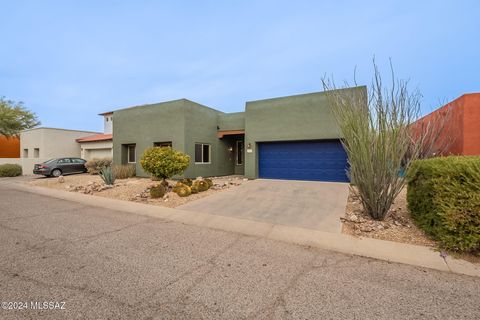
{"points": [[320, 160]]}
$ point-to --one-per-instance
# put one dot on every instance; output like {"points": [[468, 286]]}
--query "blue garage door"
{"points": [[323, 160]]}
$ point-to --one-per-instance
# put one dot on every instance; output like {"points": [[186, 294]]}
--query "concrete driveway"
{"points": [[307, 204]]}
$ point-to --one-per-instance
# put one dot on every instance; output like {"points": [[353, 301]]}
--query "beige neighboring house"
{"points": [[40, 144], [98, 145]]}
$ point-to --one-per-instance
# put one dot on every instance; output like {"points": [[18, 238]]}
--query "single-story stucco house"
{"points": [[294, 137]]}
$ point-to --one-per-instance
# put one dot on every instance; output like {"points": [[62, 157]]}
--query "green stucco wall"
{"points": [[182, 122], [231, 121], [300, 117]]}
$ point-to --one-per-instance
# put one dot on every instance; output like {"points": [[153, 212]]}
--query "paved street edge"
{"points": [[367, 247]]}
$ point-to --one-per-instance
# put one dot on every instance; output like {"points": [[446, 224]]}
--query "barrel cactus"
{"points": [[157, 191], [209, 181], [202, 185], [194, 189], [187, 181], [184, 191]]}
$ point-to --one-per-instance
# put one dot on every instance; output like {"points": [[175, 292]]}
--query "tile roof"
{"points": [[96, 137]]}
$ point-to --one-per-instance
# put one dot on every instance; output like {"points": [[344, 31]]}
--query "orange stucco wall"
{"points": [[463, 128], [471, 124], [9, 147], [448, 121]]}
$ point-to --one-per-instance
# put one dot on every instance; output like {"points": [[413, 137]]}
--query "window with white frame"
{"points": [[202, 153], [131, 154]]}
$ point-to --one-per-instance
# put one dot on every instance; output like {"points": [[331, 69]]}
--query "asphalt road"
{"points": [[107, 264]]}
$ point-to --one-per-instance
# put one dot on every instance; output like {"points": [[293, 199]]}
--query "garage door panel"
{"points": [[303, 160]]}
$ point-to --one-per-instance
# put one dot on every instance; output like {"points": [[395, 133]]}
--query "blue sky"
{"points": [[70, 60]]}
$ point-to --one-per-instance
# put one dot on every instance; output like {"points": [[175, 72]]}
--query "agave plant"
{"points": [[108, 176]]}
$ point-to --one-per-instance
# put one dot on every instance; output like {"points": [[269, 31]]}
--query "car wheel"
{"points": [[56, 172]]}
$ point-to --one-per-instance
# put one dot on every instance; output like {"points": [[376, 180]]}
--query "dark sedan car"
{"points": [[60, 166]]}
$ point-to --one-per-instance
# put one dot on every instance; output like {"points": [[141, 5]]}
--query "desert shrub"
{"points": [[10, 170], [124, 171], [444, 200], [107, 175], [164, 162], [157, 191], [95, 165]]}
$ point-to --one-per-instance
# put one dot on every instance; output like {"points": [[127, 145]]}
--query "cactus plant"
{"points": [[209, 181], [184, 191], [187, 181], [108, 176], [157, 191], [194, 189], [201, 185]]}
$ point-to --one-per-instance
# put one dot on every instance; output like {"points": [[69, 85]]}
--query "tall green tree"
{"points": [[14, 118]]}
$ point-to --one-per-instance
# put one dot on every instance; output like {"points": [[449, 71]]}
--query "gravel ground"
{"points": [[398, 226], [127, 189]]}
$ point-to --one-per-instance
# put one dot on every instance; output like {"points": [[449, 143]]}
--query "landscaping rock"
{"points": [[61, 179]]}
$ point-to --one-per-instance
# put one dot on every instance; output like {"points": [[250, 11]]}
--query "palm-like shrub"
{"points": [[164, 163]]}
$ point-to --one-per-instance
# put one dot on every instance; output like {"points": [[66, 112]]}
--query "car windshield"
{"points": [[51, 160]]}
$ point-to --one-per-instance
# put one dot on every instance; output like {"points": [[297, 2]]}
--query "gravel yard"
{"points": [[133, 189], [398, 226]]}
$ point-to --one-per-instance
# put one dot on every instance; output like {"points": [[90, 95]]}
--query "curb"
{"points": [[415, 255]]}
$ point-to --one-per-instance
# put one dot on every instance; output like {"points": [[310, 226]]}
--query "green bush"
{"points": [[95, 165], [164, 162], [10, 170], [108, 176], [444, 200], [124, 171], [157, 191]]}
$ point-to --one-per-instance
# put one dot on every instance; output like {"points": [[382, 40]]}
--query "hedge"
{"points": [[10, 170], [444, 199]]}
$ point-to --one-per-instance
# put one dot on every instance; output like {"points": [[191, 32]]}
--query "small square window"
{"points": [[25, 153], [36, 153], [202, 153]]}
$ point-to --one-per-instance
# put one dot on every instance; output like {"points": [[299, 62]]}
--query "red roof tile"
{"points": [[96, 137]]}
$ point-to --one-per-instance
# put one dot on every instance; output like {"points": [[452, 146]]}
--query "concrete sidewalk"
{"points": [[379, 249]]}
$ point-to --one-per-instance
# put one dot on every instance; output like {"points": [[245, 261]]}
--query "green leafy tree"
{"points": [[14, 118], [164, 162]]}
